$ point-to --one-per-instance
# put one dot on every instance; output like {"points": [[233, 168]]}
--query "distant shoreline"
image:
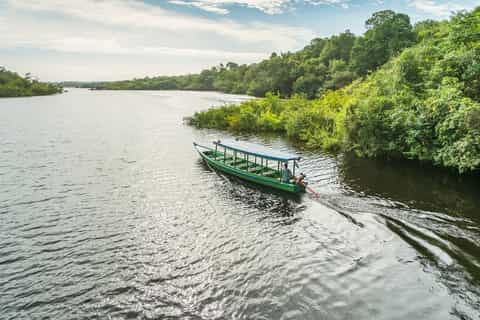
{"points": [[13, 85]]}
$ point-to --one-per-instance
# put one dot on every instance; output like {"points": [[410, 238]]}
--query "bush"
{"points": [[423, 104]]}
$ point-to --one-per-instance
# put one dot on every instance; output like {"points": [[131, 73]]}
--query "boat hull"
{"points": [[247, 176]]}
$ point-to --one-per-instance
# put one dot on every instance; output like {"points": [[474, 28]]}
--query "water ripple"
{"points": [[107, 212]]}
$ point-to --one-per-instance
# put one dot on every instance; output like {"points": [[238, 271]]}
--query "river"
{"points": [[107, 212]]}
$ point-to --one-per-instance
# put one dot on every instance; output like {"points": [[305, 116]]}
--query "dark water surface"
{"points": [[107, 213]]}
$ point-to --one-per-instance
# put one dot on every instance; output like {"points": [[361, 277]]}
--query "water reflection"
{"points": [[434, 210], [419, 186], [273, 204]]}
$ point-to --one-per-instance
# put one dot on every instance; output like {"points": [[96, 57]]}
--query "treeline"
{"points": [[325, 64], [423, 104], [78, 84], [13, 85]]}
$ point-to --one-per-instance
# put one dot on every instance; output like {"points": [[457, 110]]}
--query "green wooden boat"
{"points": [[251, 162]]}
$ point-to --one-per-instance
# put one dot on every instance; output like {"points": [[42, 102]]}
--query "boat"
{"points": [[251, 162]]}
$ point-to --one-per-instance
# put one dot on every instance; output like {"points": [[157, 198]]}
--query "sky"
{"points": [[99, 40]]}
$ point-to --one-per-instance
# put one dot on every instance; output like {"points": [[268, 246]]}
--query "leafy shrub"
{"points": [[423, 104]]}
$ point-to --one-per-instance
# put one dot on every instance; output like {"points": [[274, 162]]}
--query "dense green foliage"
{"points": [[424, 103], [325, 64], [13, 85]]}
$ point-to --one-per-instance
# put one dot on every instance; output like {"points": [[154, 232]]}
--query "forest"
{"points": [[325, 64], [13, 85], [398, 91]]}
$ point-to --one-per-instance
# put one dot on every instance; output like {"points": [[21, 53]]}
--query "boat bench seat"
{"points": [[220, 157], [255, 169], [243, 165], [269, 173]]}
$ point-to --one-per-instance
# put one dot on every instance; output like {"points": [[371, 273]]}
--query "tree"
{"points": [[339, 75], [388, 33], [338, 47]]}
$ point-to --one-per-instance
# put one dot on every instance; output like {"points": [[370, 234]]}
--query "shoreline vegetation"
{"points": [[13, 85], [397, 91], [423, 103]]}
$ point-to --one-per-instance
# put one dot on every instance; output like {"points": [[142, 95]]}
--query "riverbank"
{"points": [[423, 104], [13, 85]]}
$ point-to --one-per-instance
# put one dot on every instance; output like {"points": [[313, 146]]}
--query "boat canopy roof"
{"points": [[257, 150]]}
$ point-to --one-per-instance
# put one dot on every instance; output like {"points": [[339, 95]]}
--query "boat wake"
{"points": [[446, 246]]}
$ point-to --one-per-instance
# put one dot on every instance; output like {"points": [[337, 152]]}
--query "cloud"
{"points": [[204, 6], [132, 16], [218, 6], [437, 9], [266, 6], [134, 33]]}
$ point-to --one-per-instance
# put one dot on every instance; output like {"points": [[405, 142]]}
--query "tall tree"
{"points": [[388, 33]]}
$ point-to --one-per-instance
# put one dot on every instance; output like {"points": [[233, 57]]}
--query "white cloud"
{"points": [[136, 32], [267, 6], [130, 15], [437, 9], [218, 6], [201, 5]]}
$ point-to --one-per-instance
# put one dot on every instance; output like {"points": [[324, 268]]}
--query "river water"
{"points": [[107, 212]]}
